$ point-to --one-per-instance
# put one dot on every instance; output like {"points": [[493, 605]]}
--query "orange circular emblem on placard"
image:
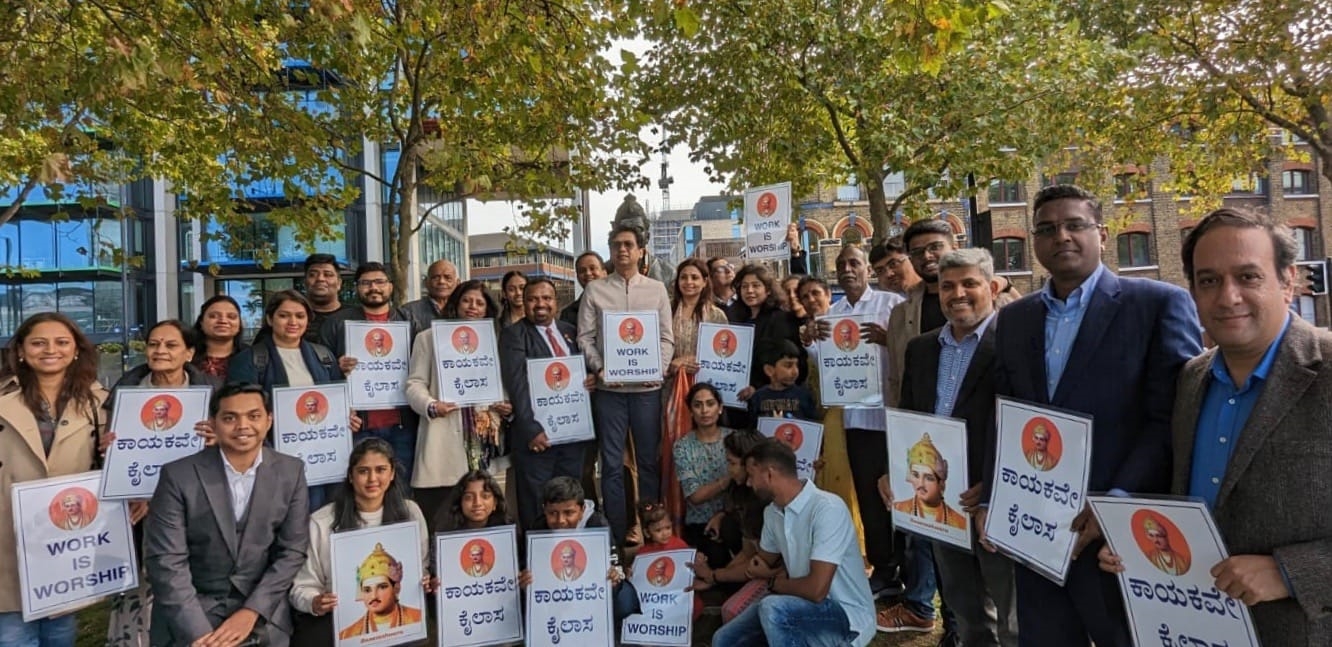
{"points": [[724, 343], [311, 408], [568, 560], [72, 509], [1161, 542], [161, 413], [1041, 443], [557, 376], [477, 557], [661, 571], [378, 342], [465, 340], [631, 330], [766, 205], [789, 435], [846, 334]]}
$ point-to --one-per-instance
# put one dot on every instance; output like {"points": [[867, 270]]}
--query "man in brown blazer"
{"points": [[1252, 428]]}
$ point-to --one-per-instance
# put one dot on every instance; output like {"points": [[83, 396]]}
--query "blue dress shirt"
{"points": [[1225, 410], [1062, 321], [954, 359]]}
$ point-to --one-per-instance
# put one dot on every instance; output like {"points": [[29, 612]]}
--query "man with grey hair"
{"points": [[441, 279], [949, 372]]}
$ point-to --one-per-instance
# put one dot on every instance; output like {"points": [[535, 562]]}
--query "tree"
{"points": [[474, 99], [811, 91], [1206, 84]]}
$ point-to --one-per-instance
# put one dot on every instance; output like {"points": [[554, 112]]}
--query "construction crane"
{"points": [[666, 180]]}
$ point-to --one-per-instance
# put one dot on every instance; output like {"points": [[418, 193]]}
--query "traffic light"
{"points": [[1313, 277]]}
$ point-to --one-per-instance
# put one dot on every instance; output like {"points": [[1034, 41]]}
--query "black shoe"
{"points": [[950, 639], [886, 588]]}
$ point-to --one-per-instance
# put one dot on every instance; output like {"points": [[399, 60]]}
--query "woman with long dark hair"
{"points": [[476, 501], [759, 304], [452, 440], [511, 292], [370, 496], [218, 332], [51, 421], [700, 459]]}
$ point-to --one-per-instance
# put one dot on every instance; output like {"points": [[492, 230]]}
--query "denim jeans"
{"points": [[787, 621], [49, 632], [617, 415], [403, 442], [920, 581]]}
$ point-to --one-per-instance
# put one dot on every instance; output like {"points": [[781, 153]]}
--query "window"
{"points": [[1130, 186], [1005, 192], [894, 184], [37, 250], [1304, 243], [1010, 254], [1254, 184], [1135, 250], [1062, 178], [1297, 183]]}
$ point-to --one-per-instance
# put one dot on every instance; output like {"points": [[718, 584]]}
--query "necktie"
{"points": [[554, 343]]}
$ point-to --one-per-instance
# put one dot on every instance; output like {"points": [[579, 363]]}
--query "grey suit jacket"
{"points": [[201, 569], [1273, 498]]}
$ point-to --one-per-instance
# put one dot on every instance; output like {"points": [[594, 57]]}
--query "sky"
{"points": [[691, 183]]}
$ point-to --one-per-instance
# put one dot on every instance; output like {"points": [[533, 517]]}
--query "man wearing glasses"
{"points": [[892, 267], [1107, 347], [374, 289], [723, 275]]}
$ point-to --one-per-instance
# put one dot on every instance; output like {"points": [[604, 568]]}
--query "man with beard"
{"points": [[589, 267], [375, 291], [818, 593], [865, 427], [951, 373], [441, 278], [323, 283]]}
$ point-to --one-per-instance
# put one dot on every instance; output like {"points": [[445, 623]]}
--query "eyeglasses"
{"points": [[722, 269], [372, 283], [937, 247], [623, 244], [1048, 229], [892, 264]]}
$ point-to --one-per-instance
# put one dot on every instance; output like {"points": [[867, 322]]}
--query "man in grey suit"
{"points": [[226, 533], [1252, 428]]}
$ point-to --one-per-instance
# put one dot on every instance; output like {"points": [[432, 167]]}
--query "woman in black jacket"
{"points": [[759, 304]]}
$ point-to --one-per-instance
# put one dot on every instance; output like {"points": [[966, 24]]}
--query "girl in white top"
{"points": [[371, 496]]}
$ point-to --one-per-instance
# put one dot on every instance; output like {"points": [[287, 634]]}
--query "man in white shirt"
{"points": [[227, 531], [866, 444], [819, 595]]}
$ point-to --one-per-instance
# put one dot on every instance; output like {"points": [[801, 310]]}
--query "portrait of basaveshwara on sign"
{"points": [[1161, 542], [379, 581], [161, 413], [568, 561], [557, 376], [311, 408], [464, 340], [1041, 444], [477, 558], [631, 330], [790, 435], [378, 342], [846, 334], [724, 343], [73, 508]]}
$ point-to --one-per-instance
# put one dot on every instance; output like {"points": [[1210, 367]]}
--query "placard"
{"points": [[478, 601], [767, 212], [383, 357], [927, 472], [849, 369], [632, 348], [803, 437], [313, 423], [1040, 482], [666, 610], [724, 355], [1168, 549], [73, 549], [153, 427], [467, 361], [560, 402], [569, 600], [377, 573]]}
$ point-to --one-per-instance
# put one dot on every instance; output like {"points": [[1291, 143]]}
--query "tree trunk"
{"points": [[880, 217], [402, 227]]}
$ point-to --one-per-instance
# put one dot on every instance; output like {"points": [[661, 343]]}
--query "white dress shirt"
{"points": [[878, 304], [241, 484]]}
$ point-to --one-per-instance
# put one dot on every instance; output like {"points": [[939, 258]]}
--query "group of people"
{"points": [[1242, 425]]}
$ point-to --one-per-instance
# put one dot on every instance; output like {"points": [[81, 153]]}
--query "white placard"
{"points": [[383, 356], [724, 355], [560, 402], [1042, 463], [313, 424], [767, 213], [1168, 549], [569, 600], [467, 362], [631, 343], [849, 369], [478, 602], [377, 572], [666, 611], [803, 437], [153, 427], [73, 549], [927, 472]]}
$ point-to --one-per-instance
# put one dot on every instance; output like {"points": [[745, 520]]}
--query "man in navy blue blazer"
{"points": [[1109, 348]]}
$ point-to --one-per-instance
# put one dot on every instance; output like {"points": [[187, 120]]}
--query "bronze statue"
{"points": [[631, 214]]}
